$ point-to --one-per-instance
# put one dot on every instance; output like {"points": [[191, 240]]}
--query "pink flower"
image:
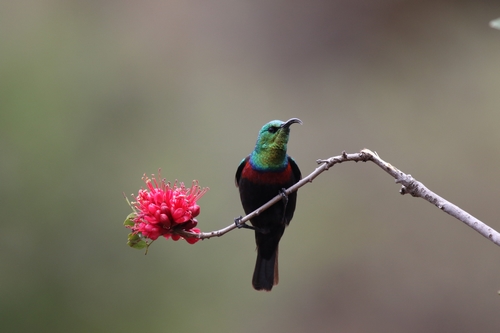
{"points": [[162, 209]]}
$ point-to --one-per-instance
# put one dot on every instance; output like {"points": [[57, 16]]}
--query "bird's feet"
{"points": [[284, 199], [284, 196], [239, 225]]}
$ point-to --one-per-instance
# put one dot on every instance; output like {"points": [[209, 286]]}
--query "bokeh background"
{"points": [[95, 93]]}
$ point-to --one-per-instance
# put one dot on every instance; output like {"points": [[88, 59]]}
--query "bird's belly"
{"points": [[254, 195]]}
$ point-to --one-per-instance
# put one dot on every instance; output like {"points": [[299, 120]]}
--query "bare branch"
{"points": [[409, 186]]}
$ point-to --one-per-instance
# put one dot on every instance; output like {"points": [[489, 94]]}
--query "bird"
{"points": [[262, 175]]}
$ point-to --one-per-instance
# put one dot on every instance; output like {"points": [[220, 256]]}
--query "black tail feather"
{"points": [[266, 275]]}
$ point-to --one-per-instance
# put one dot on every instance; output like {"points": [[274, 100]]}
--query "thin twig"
{"points": [[409, 186]]}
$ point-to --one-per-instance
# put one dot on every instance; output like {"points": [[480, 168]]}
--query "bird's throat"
{"points": [[269, 160]]}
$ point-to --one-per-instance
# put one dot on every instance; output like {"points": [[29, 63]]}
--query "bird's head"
{"points": [[272, 141]]}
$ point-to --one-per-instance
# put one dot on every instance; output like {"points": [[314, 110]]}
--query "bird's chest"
{"points": [[267, 177], [258, 187]]}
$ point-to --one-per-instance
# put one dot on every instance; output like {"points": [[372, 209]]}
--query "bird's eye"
{"points": [[272, 129]]}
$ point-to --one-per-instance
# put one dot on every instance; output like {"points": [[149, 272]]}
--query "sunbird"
{"points": [[262, 175]]}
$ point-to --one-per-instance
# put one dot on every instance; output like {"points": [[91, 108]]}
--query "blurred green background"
{"points": [[95, 93]]}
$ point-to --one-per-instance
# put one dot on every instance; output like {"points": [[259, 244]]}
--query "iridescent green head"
{"points": [[270, 149]]}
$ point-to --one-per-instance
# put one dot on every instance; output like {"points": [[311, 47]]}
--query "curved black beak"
{"points": [[290, 121]]}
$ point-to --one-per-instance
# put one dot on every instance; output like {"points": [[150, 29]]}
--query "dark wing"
{"points": [[240, 170], [292, 198], [295, 169]]}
